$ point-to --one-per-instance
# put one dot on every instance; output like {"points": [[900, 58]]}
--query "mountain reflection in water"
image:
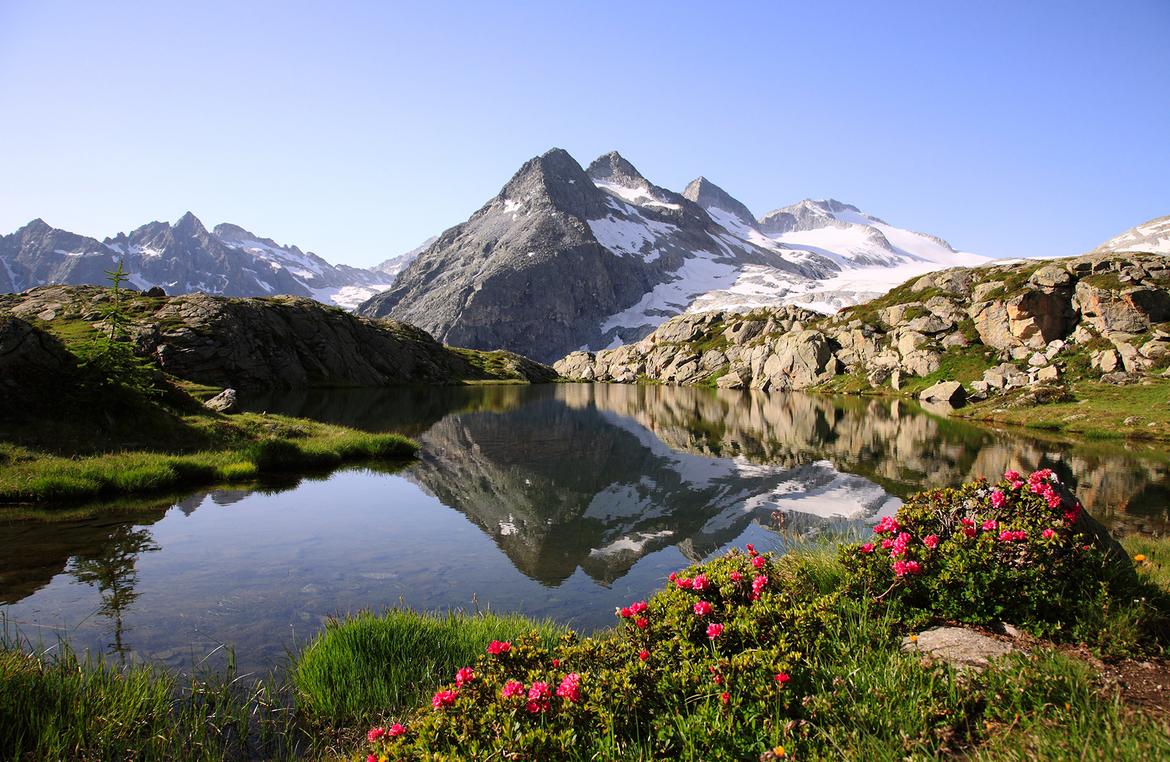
{"points": [[567, 500]]}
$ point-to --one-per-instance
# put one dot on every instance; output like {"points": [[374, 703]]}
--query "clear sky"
{"points": [[357, 130]]}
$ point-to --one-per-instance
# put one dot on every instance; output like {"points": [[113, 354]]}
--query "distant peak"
{"points": [[190, 223], [710, 196], [229, 232], [35, 226], [613, 167]]}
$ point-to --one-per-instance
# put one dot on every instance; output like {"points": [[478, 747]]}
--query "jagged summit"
{"points": [[613, 167], [183, 257], [710, 196]]}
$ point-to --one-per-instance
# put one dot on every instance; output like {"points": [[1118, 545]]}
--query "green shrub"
{"points": [[709, 668], [1017, 551]]}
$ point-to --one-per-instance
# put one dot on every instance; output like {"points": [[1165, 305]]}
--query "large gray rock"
{"points": [[957, 646], [798, 360], [226, 401], [950, 392]]}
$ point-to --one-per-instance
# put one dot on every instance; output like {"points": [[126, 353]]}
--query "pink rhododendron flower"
{"points": [[725, 697], [782, 678], [714, 630], [556, 662], [396, 730], [900, 544], [372, 758], [998, 499], [699, 583], [638, 608], [683, 583], [538, 696], [1053, 499], [758, 562], [643, 654], [497, 647], [930, 541], [641, 623], [512, 688], [625, 613], [867, 548], [1048, 534], [736, 576], [1011, 475], [751, 549], [444, 698], [759, 583], [903, 568], [703, 608], [887, 544], [463, 676], [717, 679], [887, 524], [570, 688], [990, 525], [375, 734]]}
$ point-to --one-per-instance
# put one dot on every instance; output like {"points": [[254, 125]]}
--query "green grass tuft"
{"points": [[371, 665]]}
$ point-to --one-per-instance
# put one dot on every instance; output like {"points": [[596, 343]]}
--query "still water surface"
{"points": [[561, 501]]}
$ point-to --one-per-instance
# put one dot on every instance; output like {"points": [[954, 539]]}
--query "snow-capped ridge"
{"points": [[1150, 236]]}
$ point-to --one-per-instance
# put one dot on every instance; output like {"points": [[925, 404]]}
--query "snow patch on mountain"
{"points": [[1152, 236]]}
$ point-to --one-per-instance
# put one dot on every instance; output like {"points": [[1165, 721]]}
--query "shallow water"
{"points": [[561, 501]]}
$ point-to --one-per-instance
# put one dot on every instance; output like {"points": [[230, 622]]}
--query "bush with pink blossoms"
{"points": [[727, 645], [1021, 550]]}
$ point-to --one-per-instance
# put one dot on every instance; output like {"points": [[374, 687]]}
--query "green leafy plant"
{"points": [[1020, 551]]}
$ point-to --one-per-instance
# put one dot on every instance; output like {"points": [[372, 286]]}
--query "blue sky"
{"points": [[358, 129]]}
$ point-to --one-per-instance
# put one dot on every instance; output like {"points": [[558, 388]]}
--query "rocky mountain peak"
{"points": [[613, 168], [226, 231], [557, 177], [189, 224], [35, 227], [710, 196], [809, 214]]}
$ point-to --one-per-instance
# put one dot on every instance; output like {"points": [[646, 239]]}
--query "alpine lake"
{"points": [[560, 501]]}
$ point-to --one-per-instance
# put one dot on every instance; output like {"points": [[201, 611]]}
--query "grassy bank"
{"points": [[212, 449], [1091, 409], [864, 697]]}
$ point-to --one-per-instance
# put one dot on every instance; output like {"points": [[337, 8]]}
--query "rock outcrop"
{"points": [[1020, 324], [279, 342]]}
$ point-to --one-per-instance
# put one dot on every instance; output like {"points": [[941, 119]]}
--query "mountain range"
{"points": [[562, 258], [182, 258], [565, 257]]}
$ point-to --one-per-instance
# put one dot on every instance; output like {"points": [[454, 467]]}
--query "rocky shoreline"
{"points": [[990, 329]]}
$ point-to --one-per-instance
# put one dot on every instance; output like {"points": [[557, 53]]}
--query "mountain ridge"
{"points": [[565, 257], [183, 257]]}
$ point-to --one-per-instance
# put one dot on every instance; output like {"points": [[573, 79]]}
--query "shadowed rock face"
{"points": [[282, 342]]}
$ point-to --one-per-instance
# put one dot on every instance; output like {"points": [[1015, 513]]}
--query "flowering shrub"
{"points": [[1020, 551], [724, 640]]}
